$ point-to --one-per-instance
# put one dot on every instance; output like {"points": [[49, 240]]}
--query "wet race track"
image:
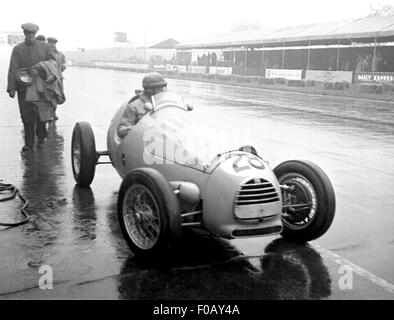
{"points": [[76, 232]]}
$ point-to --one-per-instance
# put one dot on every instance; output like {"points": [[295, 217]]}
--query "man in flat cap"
{"points": [[60, 61], [60, 57], [24, 56]]}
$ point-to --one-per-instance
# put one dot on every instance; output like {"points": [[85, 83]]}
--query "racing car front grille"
{"points": [[256, 191]]}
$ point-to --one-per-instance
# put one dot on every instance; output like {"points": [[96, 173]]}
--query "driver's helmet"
{"points": [[153, 81]]}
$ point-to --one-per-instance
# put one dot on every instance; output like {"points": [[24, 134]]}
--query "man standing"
{"points": [[26, 55], [60, 61], [60, 57]]}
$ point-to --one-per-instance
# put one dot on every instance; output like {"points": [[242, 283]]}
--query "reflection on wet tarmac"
{"points": [[210, 268], [42, 179], [84, 213]]}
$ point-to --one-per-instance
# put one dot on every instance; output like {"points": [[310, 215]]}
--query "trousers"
{"points": [[32, 123]]}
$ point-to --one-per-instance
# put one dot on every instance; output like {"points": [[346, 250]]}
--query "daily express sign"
{"points": [[375, 77]]}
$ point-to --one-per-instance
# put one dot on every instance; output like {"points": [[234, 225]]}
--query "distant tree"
{"points": [[380, 11], [246, 25]]}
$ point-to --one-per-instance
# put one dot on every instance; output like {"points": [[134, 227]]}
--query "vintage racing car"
{"points": [[168, 183]]}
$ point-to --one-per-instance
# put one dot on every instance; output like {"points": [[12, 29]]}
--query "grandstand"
{"points": [[360, 45]]}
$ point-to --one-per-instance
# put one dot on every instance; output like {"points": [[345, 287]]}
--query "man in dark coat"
{"points": [[26, 55]]}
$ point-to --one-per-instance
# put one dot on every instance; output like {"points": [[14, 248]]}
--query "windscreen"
{"points": [[163, 99]]}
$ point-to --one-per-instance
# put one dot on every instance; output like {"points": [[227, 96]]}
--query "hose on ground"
{"points": [[9, 192]]}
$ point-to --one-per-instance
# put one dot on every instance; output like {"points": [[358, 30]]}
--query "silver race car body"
{"points": [[177, 174]]}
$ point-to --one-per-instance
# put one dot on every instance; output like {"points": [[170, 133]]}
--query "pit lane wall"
{"points": [[366, 82]]}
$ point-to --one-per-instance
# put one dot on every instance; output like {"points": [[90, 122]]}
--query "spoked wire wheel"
{"points": [[149, 215], [141, 216]]}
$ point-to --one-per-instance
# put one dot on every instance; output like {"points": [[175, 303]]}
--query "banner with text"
{"points": [[159, 67], [176, 68], [196, 69], [221, 70], [138, 66], [329, 76], [375, 77], [289, 74], [170, 67]]}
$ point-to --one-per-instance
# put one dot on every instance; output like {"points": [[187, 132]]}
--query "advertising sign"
{"points": [[329, 76], [375, 77], [220, 70], [170, 67], [121, 65], [175, 68], [159, 67], [290, 74], [196, 69]]}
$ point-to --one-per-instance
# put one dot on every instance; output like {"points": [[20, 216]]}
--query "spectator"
{"points": [[61, 64], [24, 56], [367, 63], [376, 61], [214, 58], [41, 38], [360, 64]]}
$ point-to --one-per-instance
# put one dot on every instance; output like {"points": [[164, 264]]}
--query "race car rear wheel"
{"points": [[148, 213], [83, 154], [308, 200]]}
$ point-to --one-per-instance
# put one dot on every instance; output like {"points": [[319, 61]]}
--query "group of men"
{"points": [[39, 59], [35, 75]]}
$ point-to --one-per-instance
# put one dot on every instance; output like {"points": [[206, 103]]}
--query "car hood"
{"points": [[179, 138]]}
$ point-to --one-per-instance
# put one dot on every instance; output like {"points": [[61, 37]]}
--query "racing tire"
{"points": [[309, 184], [83, 154], [149, 214]]}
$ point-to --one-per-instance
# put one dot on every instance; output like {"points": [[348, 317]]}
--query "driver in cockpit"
{"points": [[152, 83]]}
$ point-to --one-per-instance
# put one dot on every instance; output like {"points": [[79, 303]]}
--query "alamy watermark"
{"points": [[45, 282], [190, 147], [345, 281]]}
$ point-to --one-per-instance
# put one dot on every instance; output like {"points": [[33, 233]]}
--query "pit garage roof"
{"points": [[166, 44], [370, 27]]}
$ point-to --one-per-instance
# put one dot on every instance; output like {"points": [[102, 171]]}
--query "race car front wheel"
{"points": [[83, 154], [308, 200], [149, 214]]}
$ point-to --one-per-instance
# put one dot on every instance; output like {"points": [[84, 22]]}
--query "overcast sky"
{"points": [[91, 24]]}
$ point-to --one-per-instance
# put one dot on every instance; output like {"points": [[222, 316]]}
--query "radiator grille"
{"points": [[256, 191]]}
